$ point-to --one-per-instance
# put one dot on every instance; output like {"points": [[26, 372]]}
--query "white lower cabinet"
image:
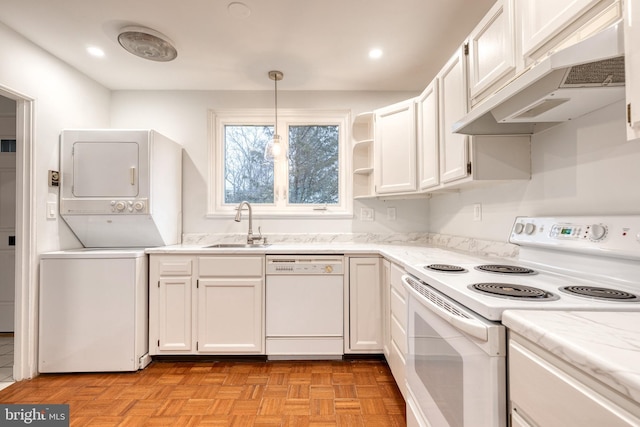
{"points": [[171, 285], [398, 319], [206, 304], [547, 391], [365, 306]]}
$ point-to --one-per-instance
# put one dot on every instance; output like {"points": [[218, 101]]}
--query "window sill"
{"points": [[286, 215]]}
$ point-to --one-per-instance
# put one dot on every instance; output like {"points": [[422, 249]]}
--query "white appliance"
{"points": [[304, 306], [456, 304], [121, 188], [93, 311]]}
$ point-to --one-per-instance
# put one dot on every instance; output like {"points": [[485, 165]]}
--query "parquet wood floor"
{"points": [[354, 393]]}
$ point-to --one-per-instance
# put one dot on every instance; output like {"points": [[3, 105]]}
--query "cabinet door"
{"points": [[386, 307], [632, 64], [230, 315], [365, 305], [428, 138], [174, 313], [491, 48], [452, 100], [541, 20], [395, 142]]}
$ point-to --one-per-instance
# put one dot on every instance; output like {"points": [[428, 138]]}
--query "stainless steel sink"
{"points": [[238, 245]]}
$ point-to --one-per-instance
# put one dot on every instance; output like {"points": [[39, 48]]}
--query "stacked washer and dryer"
{"points": [[120, 192]]}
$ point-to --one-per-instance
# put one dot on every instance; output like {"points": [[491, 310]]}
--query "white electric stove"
{"points": [[456, 359], [568, 263]]}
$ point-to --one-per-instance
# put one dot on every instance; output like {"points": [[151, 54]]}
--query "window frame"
{"points": [[218, 119]]}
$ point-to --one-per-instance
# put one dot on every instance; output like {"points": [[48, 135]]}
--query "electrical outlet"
{"points": [[366, 214], [54, 178], [477, 212], [391, 214]]}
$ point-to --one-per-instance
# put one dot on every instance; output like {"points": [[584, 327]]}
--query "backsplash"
{"points": [[459, 243]]}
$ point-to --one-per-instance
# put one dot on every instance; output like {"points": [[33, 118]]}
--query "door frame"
{"points": [[26, 283]]}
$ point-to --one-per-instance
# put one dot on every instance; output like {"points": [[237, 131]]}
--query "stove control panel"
{"points": [[617, 236]]}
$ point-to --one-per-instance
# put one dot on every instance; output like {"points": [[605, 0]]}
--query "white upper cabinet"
{"points": [[492, 56], [395, 148], [452, 101], [632, 65], [546, 25], [427, 143], [362, 132]]}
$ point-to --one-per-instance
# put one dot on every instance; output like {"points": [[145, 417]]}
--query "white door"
{"points": [[7, 239], [105, 169]]}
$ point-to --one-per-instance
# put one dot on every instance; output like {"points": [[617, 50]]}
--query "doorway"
{"points": [[22, 239]]}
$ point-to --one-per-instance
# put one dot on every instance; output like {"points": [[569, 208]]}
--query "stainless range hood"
{"points": [[565, 85]]}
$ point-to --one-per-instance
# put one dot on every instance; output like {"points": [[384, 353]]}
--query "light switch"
{"points": [[477, 212], [52, 210]]}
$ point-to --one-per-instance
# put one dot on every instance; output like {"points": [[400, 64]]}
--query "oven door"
{"points": [[456, 367]]}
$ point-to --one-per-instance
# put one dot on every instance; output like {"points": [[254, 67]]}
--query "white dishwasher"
{"points": [[304, 306]]}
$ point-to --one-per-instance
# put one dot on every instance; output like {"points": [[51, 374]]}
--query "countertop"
{"points": [[403, 255], [604, 345]]}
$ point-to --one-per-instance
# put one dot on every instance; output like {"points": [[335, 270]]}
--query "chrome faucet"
{"points": [[251, 240]]}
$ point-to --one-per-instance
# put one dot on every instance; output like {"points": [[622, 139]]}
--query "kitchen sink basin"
{"points": [[237, 245]]}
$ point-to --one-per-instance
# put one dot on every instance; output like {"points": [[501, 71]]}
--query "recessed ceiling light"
{"points": [[375, 53], [95, 51]]}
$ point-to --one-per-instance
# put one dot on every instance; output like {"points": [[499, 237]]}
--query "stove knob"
{"points": [[597, 232], [120, 206], [138, 206], [529, 228], [518, 228]]}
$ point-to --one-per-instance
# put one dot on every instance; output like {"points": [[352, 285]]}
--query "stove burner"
{"points": [[505, 269], [601, 293], [510, 290], [447, 268]]}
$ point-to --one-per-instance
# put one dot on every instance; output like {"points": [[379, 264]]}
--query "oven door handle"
{"points": [[447, 311]]}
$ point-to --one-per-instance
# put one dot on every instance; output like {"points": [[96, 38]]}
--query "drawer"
{"points": [[234, 266], [398, 335], [178, 266], [396, 279], [399, 307]]}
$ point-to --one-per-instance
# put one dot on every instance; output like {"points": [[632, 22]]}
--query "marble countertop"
{"points": [[604, 345], [403, 255]]}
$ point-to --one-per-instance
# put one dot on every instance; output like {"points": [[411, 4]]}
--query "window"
{"points": [[308, 179]]}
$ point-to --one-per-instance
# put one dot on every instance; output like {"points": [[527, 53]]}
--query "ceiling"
{"points": [[231, 45]]}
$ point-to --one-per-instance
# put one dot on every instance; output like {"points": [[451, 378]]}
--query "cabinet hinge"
{"points": [[629, 113], [468, 168], [466, 48]]}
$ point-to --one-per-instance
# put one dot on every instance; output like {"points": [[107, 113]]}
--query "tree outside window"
{"points": [[309, 180]]}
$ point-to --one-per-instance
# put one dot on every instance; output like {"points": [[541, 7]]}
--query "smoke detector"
{"points": [[147, 43]]}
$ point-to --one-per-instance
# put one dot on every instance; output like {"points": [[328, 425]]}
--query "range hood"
{"points": [[565, 85]]}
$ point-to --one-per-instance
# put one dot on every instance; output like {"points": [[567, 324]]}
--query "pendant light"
{"points": [[273, 150]]}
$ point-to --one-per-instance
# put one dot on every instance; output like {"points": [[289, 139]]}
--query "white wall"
{"points": [[182, 116], [582, 167], [64, 98]]}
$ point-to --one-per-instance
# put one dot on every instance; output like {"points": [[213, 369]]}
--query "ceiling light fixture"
{"points": [[95, 51], [375, 53], [147, 43], [273, 149]]}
